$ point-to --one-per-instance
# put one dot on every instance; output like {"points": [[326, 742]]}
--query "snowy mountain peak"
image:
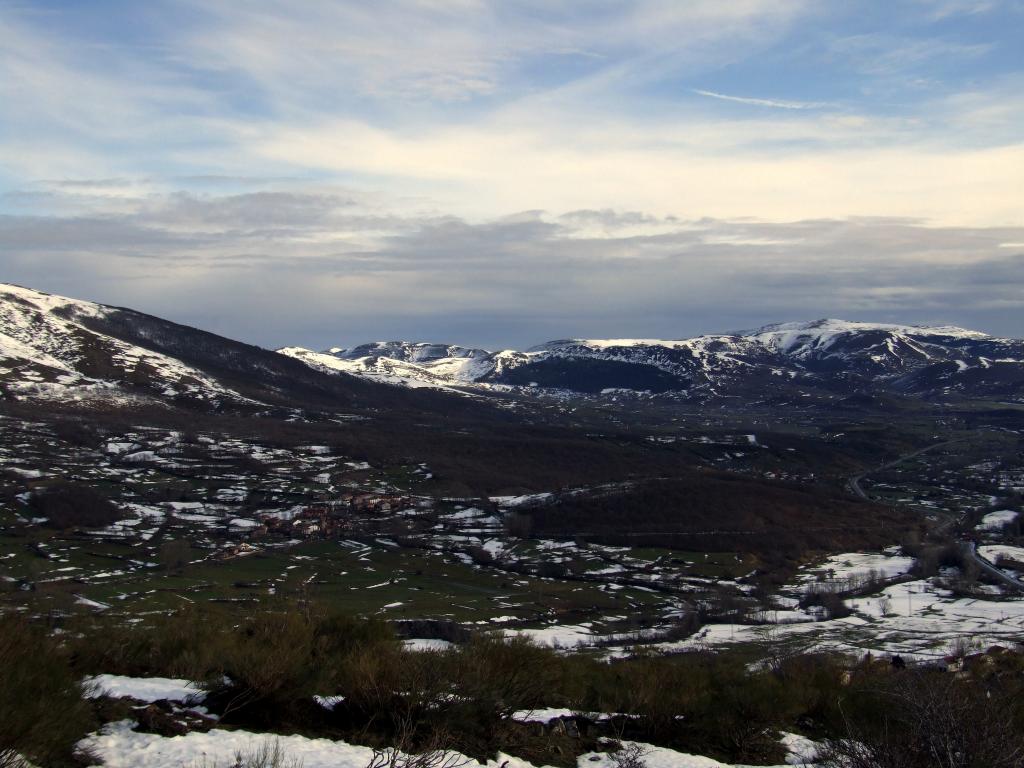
{"points": [[604, 344], [822, 352], [413, 364], [833, 325], [54, 347], [407, 351]]}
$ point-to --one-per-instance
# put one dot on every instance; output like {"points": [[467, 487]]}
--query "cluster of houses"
{"points": [[337, 517]]}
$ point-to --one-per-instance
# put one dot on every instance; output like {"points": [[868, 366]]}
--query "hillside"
{"points": [[63, 350]]}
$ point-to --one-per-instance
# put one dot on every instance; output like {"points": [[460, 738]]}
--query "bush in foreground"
{"points": [[263, 672], [42, 713], [929, 719]]}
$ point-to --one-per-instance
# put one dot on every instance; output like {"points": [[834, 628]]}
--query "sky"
{"points": [[500, 173]]}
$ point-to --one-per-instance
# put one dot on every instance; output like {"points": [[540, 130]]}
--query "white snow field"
{"points": [[118, 746], [914, 619], [854, 565], [994, 521], [994, 551], [148, 689]]}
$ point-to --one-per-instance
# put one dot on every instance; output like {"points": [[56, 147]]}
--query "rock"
{"points": [[164, 719]]}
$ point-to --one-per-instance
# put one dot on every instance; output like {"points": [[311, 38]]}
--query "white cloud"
{"points": [[667, 169], [425, 123], [776, 103], [941, 9], [881, 53], [408, 50], [345, 273]]}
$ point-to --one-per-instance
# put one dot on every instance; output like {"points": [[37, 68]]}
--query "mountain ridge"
{"points": [[54, 347], [919, 359]]}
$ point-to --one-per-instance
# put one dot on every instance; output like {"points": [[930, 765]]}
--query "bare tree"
{"points": [[929, 720], [269, 754], [434, 752], [629, 756]]}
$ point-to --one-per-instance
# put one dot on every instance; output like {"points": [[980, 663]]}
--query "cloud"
{"points": [[348, 272], [941, 9], [461, 51], [501, 172], [495, 107], [711, 167], [775, 103], [887, 54]]}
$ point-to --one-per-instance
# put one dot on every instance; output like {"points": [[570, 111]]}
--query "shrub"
{"points": [[629, 756], [658, 690], [471, 692], [519, 524], [42, 712], [275, 662], [269, 754], [435, 752], [825, 597], [67, 505], [918, 719], [421, 709], [189, 643], [269, 665], [739, 712], [502, 675], [480, 556]]}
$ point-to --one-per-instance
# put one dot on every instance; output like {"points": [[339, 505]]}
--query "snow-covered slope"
{"points": [[924, 359], [53, 347], [58, 349], [885, 345], [413, 364], [50, 348], [840, 356], [824, 332]]}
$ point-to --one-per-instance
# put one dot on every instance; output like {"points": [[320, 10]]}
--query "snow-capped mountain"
{"points": [[54, 348], [413, 364], [51, 348], [922, 359], [57, 348], [830, 355]]}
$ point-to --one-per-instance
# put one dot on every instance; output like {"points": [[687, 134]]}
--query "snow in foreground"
{"points": [[118, 746], [147, 689]]}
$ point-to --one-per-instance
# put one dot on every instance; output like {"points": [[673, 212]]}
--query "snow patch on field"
{"points": [[148, 689], [914, 619], [992, 552], [854, 565], [427, 644], [558, 636], [994, 521], [518, 501], [544, 715], [118, 746]]}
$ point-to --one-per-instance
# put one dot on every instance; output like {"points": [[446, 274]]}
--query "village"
{"points": [[343, 515]]}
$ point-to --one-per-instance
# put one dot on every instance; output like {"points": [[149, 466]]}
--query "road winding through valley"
{"points": [[969, 547]]}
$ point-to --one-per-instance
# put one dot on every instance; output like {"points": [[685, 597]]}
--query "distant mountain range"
{"points": [[56, 348], [776, 360]]}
